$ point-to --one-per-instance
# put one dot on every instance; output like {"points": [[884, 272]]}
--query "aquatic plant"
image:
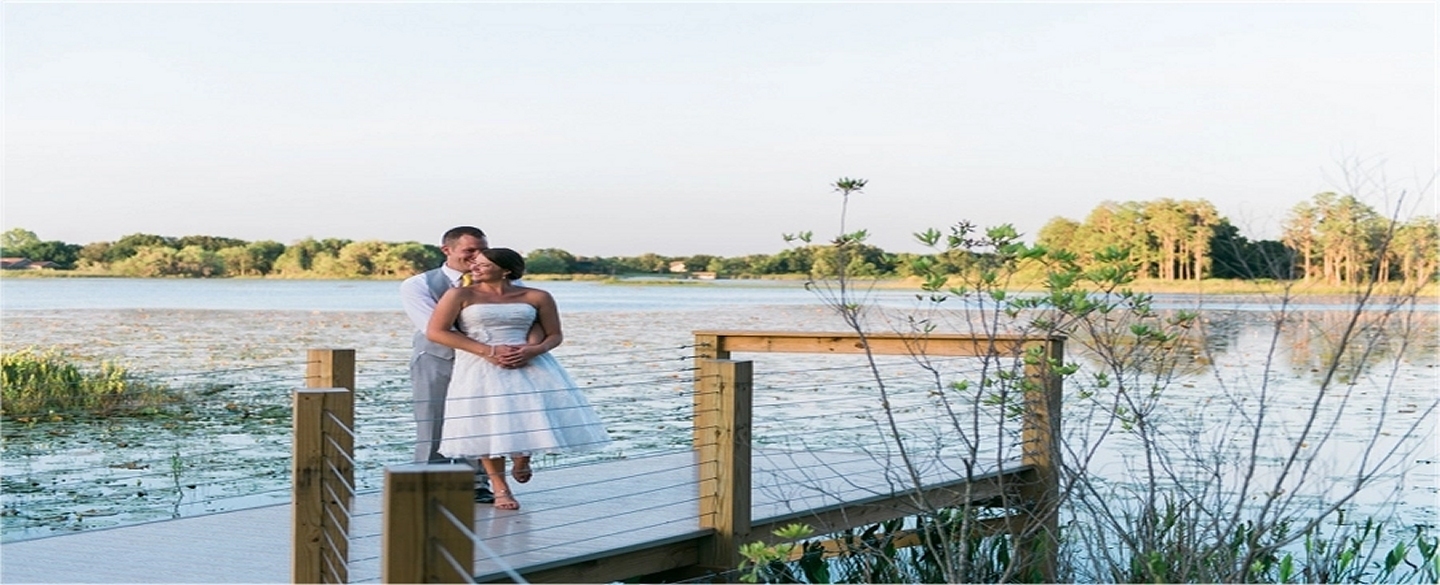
{"points": [[47, 383]]}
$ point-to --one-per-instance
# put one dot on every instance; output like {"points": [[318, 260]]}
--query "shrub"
{"points": [[47, 381]]}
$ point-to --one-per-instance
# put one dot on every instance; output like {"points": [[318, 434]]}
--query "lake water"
{"points": [[17, 294], [237, 345], [371, 295]]}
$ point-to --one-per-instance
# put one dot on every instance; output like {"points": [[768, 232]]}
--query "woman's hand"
{"points": [[516, 356]]}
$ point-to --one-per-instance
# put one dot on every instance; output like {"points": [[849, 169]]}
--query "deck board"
{"points": [[569, 514]]}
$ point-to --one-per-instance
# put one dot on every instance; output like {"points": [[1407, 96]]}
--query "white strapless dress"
{"points": [[492, 411]]}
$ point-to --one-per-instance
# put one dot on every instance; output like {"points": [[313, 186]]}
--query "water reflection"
{"points": [[1303, 341]]}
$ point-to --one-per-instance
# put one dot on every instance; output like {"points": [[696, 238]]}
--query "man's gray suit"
{"points": [[430, 367]]}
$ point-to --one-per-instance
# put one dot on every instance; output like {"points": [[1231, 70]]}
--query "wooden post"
{"points": [[1040, 436], [315, 510], [707, 347], [330, 368], [724, 407], [322, 476], [415, 532]]}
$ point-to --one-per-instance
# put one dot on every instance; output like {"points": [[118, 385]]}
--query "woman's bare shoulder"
{"points": [[535, 295]]}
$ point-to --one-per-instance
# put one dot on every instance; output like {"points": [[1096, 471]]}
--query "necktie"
{"points": [[466, 279]]}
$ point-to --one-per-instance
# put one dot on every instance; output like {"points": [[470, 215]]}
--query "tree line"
{"points": [[1330, 238]]}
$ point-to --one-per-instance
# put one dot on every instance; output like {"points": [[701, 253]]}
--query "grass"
{"points": [[880, 554], [47, 383]]}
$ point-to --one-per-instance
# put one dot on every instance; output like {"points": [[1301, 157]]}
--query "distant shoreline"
{"points": [[1204, 287]]}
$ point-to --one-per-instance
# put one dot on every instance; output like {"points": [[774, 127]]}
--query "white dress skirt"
{"points": [[492, 411]]}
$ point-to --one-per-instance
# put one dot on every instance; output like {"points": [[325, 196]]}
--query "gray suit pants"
{"points": [[429, 380], [429, 383]]}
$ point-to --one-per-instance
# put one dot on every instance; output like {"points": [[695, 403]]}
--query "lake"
{"points": [[373, 295], [20, 294], [237, 347]]}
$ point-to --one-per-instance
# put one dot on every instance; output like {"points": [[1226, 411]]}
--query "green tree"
{"points": [[1168, 224], [211, 243], [358, 258], [651, 262], [264, 253], [297, 258], [62, 254], [698, 262], [1236, 257], [17, 238], [94, 254], [736, 266], [238, 261], [1201, 222], [1119, 226], [147, 262], [195, 261], [1058, 234], [594, 265], [1300, 235], [407, 258], [1347, 233], [549, 261], [1415, 247], [128, 246], [21, 243]]}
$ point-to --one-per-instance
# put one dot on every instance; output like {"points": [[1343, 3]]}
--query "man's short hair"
{"points": [[456, 233]]}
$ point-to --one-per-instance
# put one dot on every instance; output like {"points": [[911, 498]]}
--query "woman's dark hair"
{"points": [[509, 260]]}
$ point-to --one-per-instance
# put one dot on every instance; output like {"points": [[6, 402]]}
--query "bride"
{"points": [[507, 397]]}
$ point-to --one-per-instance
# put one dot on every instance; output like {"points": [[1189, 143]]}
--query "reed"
{"points": [[891, 553], [46, 382]]}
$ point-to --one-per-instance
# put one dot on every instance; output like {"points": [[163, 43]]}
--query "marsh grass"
{"points": [[47, 383], [890, 553]]}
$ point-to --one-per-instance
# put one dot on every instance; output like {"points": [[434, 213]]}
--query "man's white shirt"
{"points": [[415, 296]]}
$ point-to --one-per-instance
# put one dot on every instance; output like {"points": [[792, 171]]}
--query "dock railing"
{"points": [[323, 468], [429, 516], [427, 506], [723, 407]]}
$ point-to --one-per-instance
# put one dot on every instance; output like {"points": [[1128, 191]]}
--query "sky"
{"points": [[610, 129]]}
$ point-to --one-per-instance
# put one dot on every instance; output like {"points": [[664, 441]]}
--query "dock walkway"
{"points": [[578, 524]]}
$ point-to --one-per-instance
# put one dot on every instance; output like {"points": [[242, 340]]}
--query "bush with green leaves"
{"points": [[47, 382]]}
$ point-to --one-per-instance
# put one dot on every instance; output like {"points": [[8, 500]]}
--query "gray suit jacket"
{"points": [[438, 283]]}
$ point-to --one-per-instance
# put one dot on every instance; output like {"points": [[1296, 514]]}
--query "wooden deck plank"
{"points": [[640, 510]]}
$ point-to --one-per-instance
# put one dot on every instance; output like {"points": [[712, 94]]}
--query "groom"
{"points": [[430, 362]]}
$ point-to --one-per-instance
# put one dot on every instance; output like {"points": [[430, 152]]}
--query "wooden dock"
{"points": [[638, 517], [591, 523]]}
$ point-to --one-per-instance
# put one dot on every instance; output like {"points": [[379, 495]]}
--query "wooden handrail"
{"points": [[718, 344], [725, 450]]}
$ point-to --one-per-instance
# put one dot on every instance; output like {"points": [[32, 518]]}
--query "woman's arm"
{"points": [[441, 331]]}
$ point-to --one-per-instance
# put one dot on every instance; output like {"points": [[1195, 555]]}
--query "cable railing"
{"points": [[190, 461], [813, 419], [736, 418]]}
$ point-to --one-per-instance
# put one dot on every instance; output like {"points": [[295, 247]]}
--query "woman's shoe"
{"points": [[522, 471], [505, 501]]}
